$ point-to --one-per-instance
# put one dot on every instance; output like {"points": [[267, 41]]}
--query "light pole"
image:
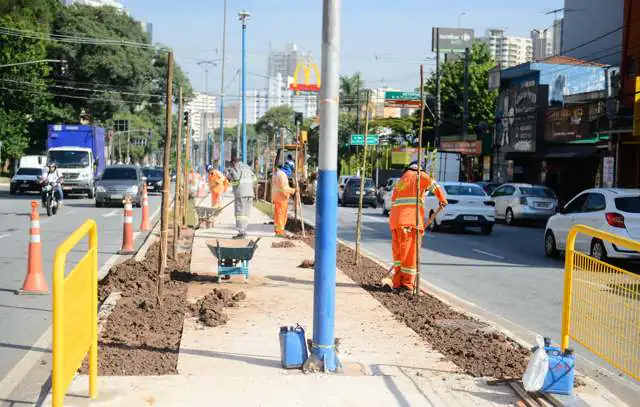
{"points": [[224, 43], [205, 121], [323, 352], [243, 16], [464, 13]]}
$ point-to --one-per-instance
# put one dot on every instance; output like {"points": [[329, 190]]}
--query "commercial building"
{"points": [[506, 50], [147, 28]]}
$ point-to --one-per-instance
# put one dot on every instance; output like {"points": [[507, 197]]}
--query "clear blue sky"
{"points": [[384, 40]]}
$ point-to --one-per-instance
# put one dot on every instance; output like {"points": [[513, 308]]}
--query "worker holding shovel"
{"points": [[280, 193], [217, 185], [402, 222]]}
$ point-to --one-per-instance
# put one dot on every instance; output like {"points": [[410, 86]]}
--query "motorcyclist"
{"points": [[53, 176]]}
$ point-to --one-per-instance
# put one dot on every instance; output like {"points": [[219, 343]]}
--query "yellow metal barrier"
{"points": [[601, 307], [75, 314]]}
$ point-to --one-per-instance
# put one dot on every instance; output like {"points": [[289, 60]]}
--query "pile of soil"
{"points": [[467, 342], [210, 308], [140, 337], [306, 264], [284, 244]]}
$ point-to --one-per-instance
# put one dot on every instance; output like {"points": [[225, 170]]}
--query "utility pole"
{"points": [[243, 16], [465, 100], [363, 176], [238, 127], [418, 194], [224, 46], [436, 142], [177, 218], [166, 182], [323, 352], [205, 121]]}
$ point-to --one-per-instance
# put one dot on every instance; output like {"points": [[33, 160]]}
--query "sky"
{"points": [[384, 40]]}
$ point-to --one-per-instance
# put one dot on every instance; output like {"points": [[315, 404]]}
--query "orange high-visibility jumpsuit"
{"points": [[402, 222], [217, 186], [280, 193]]}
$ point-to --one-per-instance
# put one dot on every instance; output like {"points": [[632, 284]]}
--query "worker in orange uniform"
{"points": [[280, 194], [216, 185], [402, 221]]}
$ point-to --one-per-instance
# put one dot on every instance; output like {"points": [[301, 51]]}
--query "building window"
{"points": [[632, 66]]}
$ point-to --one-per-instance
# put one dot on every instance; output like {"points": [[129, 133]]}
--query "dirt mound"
{"points": [[210, 308], [295, 226], [306, 264], [468, 343], [285, 244]]}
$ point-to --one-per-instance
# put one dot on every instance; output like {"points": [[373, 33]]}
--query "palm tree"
{"points": [[350, 87]]}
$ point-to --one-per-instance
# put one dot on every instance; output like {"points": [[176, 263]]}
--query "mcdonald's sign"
{"points": [[307, 86]]}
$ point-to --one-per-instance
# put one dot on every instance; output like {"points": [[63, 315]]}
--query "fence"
{"points": [[601, 307], [75, 313]]}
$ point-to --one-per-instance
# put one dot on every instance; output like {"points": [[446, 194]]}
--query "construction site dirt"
{"points": [[473, 346]]}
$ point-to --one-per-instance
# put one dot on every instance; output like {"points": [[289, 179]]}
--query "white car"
{"points": [[469, 206], [612, 210], [342, 181], [386, 198]]}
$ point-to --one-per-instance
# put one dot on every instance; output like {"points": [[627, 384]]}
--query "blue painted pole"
{"points": [[244, 91], [323, 353], [224, 44]]}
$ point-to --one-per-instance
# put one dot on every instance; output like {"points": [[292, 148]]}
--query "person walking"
{"points": [[217, 185], [280, 194], [402, 222], [242, 180]]}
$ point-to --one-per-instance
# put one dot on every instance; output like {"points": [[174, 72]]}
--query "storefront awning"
{"points": [[572, 151]]}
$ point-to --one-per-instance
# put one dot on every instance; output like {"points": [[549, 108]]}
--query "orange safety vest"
{"points": [[403, 199], [280, 189], [217, 182]]}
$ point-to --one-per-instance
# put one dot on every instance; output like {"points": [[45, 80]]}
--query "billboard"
{"points": [[572, 123], [462, 147], [307, 85], [519, 112], [451, 39]]}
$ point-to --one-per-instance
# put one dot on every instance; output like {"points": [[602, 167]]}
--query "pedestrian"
{"points": [[290, 163], [217, 181], [242, 180], [402, 222], [280, 193]]}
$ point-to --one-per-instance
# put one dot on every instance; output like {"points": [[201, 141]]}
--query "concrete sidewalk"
{"points": [[238, 364]]}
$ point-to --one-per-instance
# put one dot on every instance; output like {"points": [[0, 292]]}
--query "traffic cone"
{"points": [[201, 191], [144, 226], [34, 282], [127, 230]]}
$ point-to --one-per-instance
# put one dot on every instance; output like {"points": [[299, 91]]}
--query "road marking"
{"points": [[3, 236], [488, 254], [111, 214]]}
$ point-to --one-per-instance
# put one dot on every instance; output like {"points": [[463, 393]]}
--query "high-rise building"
{"points": [[201, 113], [148, 29], [558, 26], [507, 50], [285, 62], [542, 42], [96, 3]]}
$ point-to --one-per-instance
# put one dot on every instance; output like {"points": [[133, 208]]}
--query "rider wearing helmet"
{"points": [[55, 177]]}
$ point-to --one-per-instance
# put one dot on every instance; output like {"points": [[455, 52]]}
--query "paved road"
{"points": [[505, 273], [23, 319]]}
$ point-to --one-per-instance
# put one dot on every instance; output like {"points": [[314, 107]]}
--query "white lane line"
{"points": [[3, 236], [488, 254], [114, 212]]}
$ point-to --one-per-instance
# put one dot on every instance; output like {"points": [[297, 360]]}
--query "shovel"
{"points": [[386, 281]]}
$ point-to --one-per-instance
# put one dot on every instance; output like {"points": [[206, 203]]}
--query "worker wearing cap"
{"points": [[280, 193], [242, 180], [402, 222], [217, 185]]}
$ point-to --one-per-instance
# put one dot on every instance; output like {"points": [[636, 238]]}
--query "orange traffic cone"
{"points": [[144, 226], [34, 282], [127, 230]]}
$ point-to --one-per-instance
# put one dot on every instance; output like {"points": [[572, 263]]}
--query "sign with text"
{"points": [[520, 112], [571, 123], [451, 39], [462, 147], [401, 99], [358, 139], [306, 86]]}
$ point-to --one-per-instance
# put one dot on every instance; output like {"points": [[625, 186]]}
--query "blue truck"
{"points": [[79, 152]]}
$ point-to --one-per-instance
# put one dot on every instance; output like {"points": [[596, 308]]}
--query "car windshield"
{"points": [[354, 184], [630, 204], [128, 174], [69, 159], [153, 173], [464, 190], [29, 171], [541, 192]]}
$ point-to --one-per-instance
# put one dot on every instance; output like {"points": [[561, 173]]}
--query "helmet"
{"points": [[209, 168], [53, 164]]}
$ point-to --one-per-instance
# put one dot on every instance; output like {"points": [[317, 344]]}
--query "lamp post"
{"points": [[464, 13], [224, 42], [243, 16]]}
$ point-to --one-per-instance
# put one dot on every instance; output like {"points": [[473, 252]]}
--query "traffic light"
{"points": [[186, 118], [297, 118]]}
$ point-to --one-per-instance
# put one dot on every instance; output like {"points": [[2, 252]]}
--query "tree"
{"points": [[275, 119], [350, 87]]}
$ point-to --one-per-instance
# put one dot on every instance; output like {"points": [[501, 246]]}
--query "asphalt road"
{"points": [[505, 274], [23, 318]]}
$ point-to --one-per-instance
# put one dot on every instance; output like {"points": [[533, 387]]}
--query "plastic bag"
{"points": [[537, 368]]}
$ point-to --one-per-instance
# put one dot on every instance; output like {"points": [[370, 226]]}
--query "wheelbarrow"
{"points": [[206, 215], [234, 256]]}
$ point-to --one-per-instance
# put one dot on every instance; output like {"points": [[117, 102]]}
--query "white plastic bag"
{"points": [[537, 368]]}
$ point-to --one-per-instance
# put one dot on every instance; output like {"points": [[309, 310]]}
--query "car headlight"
{"points": [[133, 189], [100, 188]]}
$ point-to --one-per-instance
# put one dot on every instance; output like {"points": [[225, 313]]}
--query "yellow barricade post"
{"points": [[75, 314], [601, 306]]}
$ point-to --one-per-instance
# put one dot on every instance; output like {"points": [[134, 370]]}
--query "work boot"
{"points": [[240, 236], [402, 290]]}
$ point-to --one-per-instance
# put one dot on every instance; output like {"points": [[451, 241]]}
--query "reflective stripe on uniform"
{"points": [[407, 270], [397, 263], [406, 202], [242, 217]]}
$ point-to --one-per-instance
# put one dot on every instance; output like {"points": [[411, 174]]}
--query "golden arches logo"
{"points": [[307, 86]]}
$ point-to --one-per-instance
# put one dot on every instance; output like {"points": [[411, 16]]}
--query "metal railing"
{"points": [[75, 313], [601, 306]]}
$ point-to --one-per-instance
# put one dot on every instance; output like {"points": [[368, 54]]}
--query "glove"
{"points": [[443, 204]]}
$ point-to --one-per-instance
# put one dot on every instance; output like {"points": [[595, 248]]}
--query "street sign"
{"points": [[358, 139], [451, 39], [401, 99]]}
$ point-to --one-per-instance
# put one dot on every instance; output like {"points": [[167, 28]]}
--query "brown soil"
{"points": [[306, 264], [285, 244], [210, 308], [467, 342], [140, 337]]}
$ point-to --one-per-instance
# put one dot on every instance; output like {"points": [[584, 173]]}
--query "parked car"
{"points": [[515, 202], [612, 210], [342, 180], [386, 199], [386, 187], [119, 181], [155, 177], [488, 186], [351, 194], [26, 180], [469, 206]]}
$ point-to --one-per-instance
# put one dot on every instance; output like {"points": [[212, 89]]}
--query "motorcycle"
{"points": [[49, 197]]}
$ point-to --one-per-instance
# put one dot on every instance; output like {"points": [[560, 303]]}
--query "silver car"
{"points": [[516, 202], [117, 182]]}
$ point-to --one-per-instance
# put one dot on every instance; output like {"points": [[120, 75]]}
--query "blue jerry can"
{"points": [[293, 347], [559, 379]]}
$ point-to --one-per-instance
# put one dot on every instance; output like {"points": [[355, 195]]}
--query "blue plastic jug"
{"points": [[293, 347], [559, 379]]}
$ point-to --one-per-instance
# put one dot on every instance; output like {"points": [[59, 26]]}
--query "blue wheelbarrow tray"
{"points": [[233, 256]]}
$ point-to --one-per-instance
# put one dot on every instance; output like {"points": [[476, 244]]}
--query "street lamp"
{"points": [[464, 13], [205, 121], [243, 16]]}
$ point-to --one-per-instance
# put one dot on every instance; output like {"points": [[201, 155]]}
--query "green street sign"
{"points": [[358, 140], [396, 95]]}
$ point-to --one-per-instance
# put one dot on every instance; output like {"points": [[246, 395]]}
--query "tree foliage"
{"points": [[350, 88], [275, 119]]}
